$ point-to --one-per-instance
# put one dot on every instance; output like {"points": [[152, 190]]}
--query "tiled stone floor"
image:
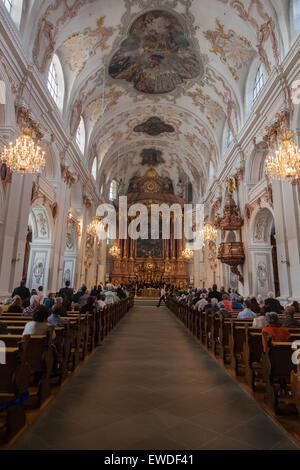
{"points": [[151, 386]]}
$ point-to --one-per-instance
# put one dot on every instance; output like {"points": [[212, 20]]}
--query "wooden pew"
{"points": [[14, 381], [277, 364]]}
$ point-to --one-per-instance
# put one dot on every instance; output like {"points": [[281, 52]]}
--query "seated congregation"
{"points": [[44, 339], [255, 339]]}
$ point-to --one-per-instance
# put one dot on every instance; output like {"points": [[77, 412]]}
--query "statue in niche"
{"points": [[262, 274], [38, 272]]}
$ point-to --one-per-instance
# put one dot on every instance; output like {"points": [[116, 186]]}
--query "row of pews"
{"points": [[239, 346], [35, 364]]}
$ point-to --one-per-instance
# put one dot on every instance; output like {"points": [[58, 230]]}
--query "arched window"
{"points": [[8, 5], [52, 82], [113, 190], [258, 83], [80, 135], [55, 82], [296, 11], [228, 137], [14, 8], [94, 168]]}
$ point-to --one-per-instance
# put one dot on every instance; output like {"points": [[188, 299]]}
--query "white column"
{"points": [[14, 233]]}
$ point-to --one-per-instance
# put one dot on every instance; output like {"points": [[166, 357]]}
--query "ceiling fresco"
{"points": [[134, 67], [156, 56], [154, 126]]}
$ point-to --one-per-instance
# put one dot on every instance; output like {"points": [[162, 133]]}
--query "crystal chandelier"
{"points": [[92, 228], [114, 251], [286, 163], [24, 156], [208, 232], [187, 254]]}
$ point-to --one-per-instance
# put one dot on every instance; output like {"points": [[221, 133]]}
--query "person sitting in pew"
{"points": [[260, 301], [236, 304], [274, 329], [247, 312], [6, 304], [34, 303], [49, 300], [289, 321], [55, 317], [222, 311], [274, 303], [260, 321], [296, 305], [89, 306], [39, 324], [227, 303], [201, 303], [101, 301], [16, 306], [254, 305]]}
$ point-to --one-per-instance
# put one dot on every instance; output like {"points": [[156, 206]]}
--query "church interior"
{"points": [[112, 342]]}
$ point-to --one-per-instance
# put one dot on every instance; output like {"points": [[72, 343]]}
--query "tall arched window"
{"points": [[8, 5], [258, 83], [94, 168], [52, 82], [14, 8], [80, 135], [228, 137], [55, 82], [296, 11], [113, 190]]}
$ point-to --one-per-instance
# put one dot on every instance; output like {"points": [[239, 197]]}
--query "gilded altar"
{"points": [[151, 260]]}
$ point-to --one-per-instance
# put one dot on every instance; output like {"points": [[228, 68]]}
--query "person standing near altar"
{"points": [[162, 296]]}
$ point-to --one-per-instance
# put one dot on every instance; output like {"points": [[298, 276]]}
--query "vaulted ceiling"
{"points": [[185, 62]]}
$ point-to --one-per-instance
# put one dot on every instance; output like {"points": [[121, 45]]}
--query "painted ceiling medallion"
{"points": [[156, 56], [154, 126], [151, 157]]}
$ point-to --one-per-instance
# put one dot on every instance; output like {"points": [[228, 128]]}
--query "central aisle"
{"points": [[152, 386]]}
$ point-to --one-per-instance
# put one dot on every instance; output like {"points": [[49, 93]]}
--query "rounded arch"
{"points": [[41, 226], [40, 223], [262, 225], [52, 167], [255, 166], [264, 275]]}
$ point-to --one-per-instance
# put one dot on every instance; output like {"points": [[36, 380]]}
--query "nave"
{"points": [[152, 386]]}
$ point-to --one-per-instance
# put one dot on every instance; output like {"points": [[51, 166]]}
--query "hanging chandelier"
{"points": [[285, 165], [24, 156], [187, 254], [209, 233], [93, 228], [114, 251]]}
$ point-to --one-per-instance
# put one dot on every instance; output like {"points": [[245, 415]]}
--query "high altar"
{"points": [[151, 260]]}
